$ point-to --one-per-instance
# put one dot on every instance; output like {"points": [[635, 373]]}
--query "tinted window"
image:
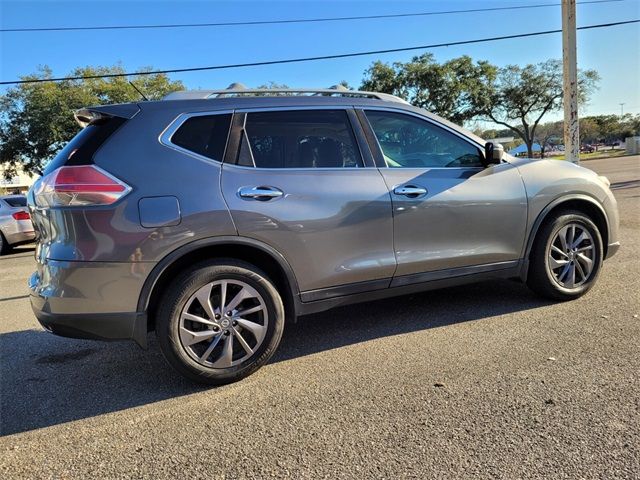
{"points": [[204, 134], [410, 142], [80, 150], [16, 201], [299, 139]]}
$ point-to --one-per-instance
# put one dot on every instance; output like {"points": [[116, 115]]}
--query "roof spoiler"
{"points": [[93, 115]]}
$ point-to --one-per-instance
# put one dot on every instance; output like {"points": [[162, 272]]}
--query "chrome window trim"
{"points": [[346, 108], [301, 169], [297, 107], [165, 136], [429, 120]]}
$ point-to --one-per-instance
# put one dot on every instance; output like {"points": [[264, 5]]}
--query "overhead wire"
{"points": [[314, 58], [290, 21]]}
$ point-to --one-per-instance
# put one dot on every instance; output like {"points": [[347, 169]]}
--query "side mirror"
{"points": [[493, 153]]}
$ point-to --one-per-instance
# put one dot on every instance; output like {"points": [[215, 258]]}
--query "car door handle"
{"points": [[261, 193], [410, 191]]}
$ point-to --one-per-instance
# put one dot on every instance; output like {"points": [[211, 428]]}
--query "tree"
{"points": [[589, 130], [273, 86], [521, 96], [456, 90], [37, 118], [546, 132]]}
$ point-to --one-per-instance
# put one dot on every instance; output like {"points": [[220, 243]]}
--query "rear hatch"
{"points": [[47, 213]]}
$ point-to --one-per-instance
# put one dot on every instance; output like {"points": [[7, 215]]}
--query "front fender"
{"points": [[551, 183]]}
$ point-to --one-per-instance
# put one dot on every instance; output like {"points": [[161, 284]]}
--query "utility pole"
{"points": [[570, 82], [621, 109]]}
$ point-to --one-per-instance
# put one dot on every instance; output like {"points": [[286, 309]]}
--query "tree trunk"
{"points": [[530, 148]]}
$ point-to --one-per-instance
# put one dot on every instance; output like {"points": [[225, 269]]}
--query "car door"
{"points": [[451, 215], [300, 184]]}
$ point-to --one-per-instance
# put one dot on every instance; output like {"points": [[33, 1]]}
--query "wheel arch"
{"points": [[253, 251], [580, 202]]}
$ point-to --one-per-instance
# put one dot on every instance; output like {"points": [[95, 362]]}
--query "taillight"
{"points": [[21, 216], [81, 185]]}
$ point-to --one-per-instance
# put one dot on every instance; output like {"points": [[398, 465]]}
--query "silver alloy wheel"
{"points": [[571, 256], [223, 323]]}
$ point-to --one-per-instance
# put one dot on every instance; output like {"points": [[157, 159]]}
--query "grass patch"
{"points": [[595, 155]]}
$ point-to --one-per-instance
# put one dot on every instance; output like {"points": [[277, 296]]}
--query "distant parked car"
{"points": [[587, 149], [15, 222]]}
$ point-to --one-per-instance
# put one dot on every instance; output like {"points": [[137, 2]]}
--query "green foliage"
{"points": [[550, 133], [456, 90], [593, 129], [37, 118], [521, 96], [608, 128], [460, 90], [273, 85]]}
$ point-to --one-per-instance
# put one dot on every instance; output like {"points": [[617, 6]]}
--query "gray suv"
{"points": [[211, 216]]}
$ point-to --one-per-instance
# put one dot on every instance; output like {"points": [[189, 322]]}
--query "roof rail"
{"points": [[328, 92]]}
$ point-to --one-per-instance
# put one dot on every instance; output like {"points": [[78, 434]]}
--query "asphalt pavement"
{"points": [[485, 381]]}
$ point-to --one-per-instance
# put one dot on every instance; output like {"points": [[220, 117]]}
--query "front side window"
{"points": [[204, 134], [299, 139], [409, 142]]}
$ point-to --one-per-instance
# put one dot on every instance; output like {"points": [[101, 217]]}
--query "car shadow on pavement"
{"points": [[22, 251], [48, 380]]}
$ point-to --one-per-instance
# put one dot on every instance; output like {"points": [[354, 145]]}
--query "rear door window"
{"points": [[205, 135], [299, 139]]}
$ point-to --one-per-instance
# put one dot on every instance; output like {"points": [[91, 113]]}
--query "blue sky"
{"points": [[614, 52]]}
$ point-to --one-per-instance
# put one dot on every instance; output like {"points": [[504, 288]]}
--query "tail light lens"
{"points": [[82, 185], [21, 216]]}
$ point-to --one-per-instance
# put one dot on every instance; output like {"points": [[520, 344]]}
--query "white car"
{"points": [[15, 222]]}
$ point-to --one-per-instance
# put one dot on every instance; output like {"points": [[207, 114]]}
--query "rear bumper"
{"points": [[95, 326], [18, 238], [94, 300]]}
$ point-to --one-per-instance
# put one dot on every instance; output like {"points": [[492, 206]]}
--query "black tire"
{"points": [[170, 310], [4, 245], [541, 278]]}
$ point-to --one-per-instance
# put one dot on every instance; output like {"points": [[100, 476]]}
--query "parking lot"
{"points": [[484, 380]]}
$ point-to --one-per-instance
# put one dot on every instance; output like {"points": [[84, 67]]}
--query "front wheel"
{"points": [[566, 256], [220, 321]]}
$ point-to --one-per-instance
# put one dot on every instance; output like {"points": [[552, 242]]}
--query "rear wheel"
{"points": [[220, 321], [566, 256], [4, 245]]}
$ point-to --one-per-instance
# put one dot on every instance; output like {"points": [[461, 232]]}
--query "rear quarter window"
{"points": [[205, 135]]}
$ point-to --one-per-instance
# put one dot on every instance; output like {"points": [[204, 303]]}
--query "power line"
{"points": [[298, 20], [309, 59]]}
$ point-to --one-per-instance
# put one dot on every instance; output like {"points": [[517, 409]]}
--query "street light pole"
{"points": [[570, 82]]}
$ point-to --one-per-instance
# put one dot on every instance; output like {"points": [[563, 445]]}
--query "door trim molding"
{"points": [[407, 280], [497, 271], [451, 272], [343, 290]]}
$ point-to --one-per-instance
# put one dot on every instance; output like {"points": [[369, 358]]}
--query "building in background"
{"points": [[19, 183], [632, 145]]}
